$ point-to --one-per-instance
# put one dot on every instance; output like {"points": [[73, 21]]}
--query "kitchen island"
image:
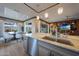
{"points": [[36, 45]]}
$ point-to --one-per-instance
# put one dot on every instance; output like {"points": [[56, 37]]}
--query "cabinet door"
{"points": [[43, 51], [54, 53]]}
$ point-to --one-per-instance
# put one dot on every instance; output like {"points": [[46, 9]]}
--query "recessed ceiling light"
{"points": [[46, 15], [60, 10]]}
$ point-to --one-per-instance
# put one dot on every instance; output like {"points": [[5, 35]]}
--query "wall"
{"points": [[1, 11], [1, 27], [35, 25]]}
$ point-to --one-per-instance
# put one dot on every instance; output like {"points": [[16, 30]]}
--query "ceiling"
{"points": [[34, 9], [39, 7]]}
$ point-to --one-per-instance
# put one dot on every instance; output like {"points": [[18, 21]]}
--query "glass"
{"points": [[44, 28]]}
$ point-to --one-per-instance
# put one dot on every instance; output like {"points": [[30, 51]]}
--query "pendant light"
{"points": [[60, 10], [37, 17], [46, 15]]}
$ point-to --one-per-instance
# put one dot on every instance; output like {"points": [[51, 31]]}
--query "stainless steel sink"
{"points": [[48, 38], [63, 41]]}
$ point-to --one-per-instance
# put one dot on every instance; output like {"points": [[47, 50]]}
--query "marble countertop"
{"points": [[40, 35]]}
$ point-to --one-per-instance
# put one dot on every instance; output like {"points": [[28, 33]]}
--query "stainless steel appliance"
{"points": [[32, 46]]}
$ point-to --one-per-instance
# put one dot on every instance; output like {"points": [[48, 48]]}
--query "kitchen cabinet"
{"points": [[43, 51], [36, 47], [53, 50], [54, 53]]}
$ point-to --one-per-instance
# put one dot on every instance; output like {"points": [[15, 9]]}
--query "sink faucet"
{"points": [[56, 34]]}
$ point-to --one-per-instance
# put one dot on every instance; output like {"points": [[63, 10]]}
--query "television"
{"points": [[65, 26]]}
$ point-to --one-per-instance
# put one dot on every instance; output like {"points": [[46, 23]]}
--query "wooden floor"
{"points": [[12, 48]]}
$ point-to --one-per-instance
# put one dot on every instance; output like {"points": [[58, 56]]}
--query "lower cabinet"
{"points": [[40, 48], [53, 53], [43, 51]]}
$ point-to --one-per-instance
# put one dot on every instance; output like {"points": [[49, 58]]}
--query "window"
{"points": [[10, 27], [44, 27]]}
